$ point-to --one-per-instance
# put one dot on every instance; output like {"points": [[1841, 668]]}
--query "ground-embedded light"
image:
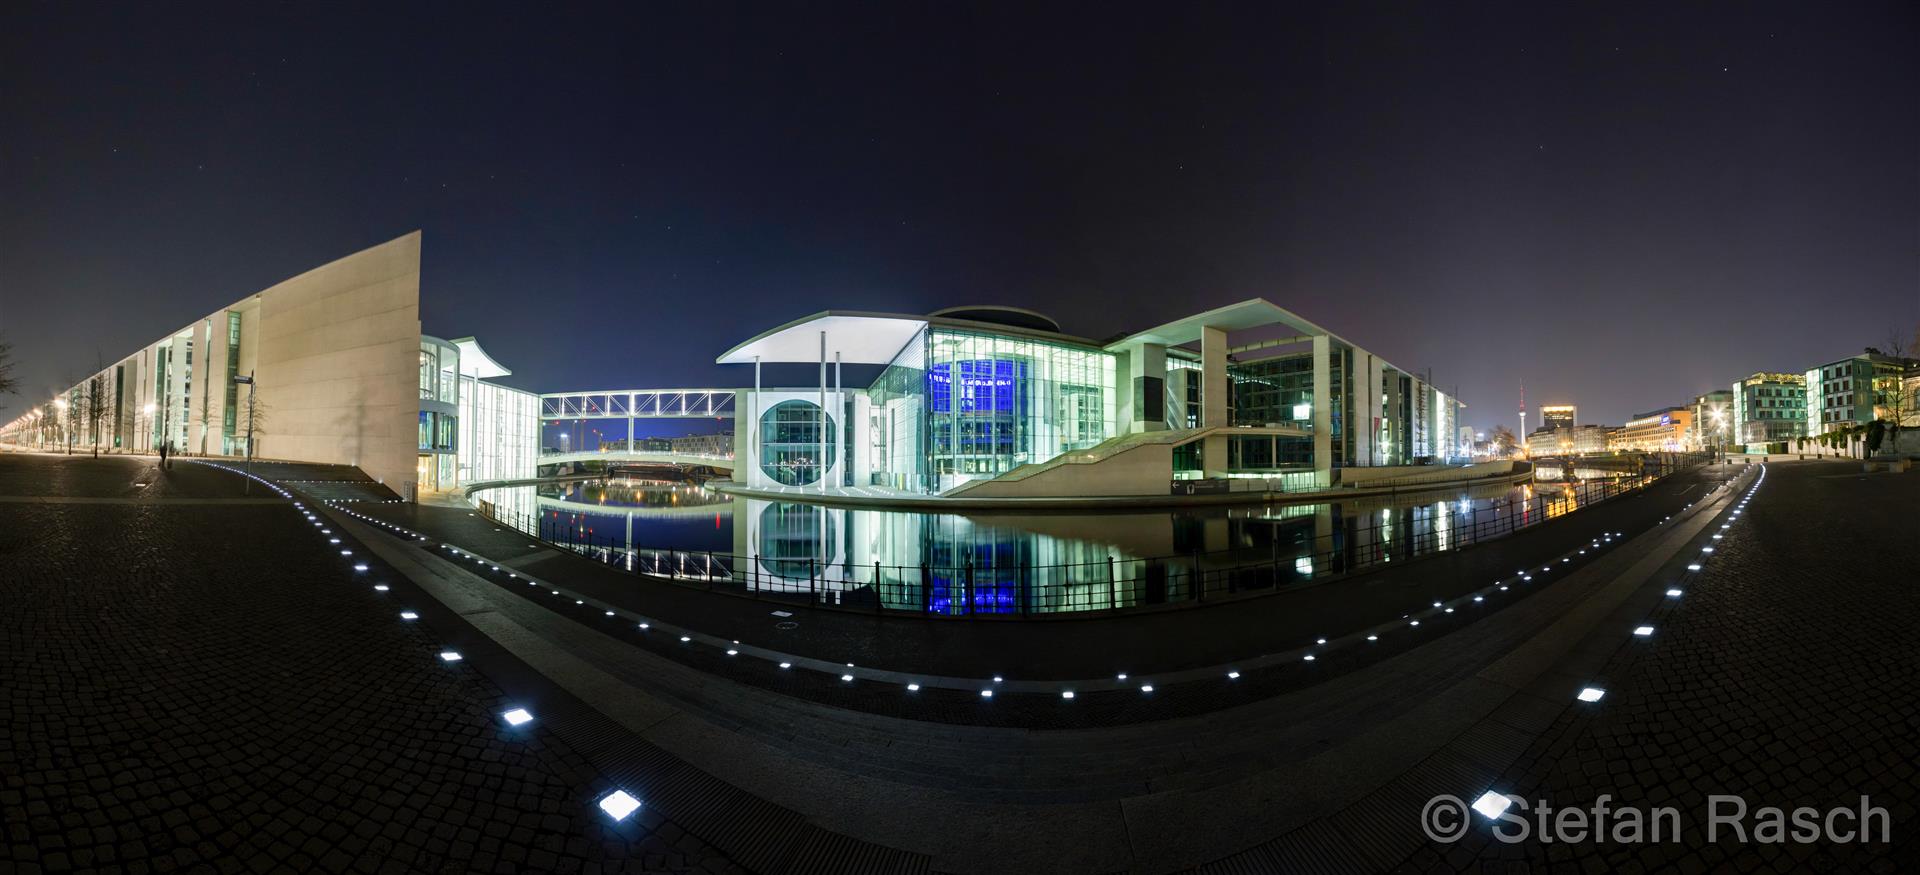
{"points": [[516, 716], [1642, 631], [1591, 694], [619, 804], [1491, 804]]}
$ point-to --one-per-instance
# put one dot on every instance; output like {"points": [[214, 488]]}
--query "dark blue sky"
{"points": [[1621, 204]]}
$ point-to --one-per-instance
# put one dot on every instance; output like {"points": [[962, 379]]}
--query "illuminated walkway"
{"points": [[1322, 772]]}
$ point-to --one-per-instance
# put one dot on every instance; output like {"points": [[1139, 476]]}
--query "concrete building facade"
{"points": [[328, 366], [1660, 431], [1769, 409]]}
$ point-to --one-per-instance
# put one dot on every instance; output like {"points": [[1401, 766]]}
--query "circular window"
{"points": [[790, 539], [790, 450]]}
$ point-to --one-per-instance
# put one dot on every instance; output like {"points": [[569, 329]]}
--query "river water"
{"points": [[1005, 563]]}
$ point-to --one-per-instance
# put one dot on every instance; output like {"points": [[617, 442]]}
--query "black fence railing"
{"points": [[1297, 549]]}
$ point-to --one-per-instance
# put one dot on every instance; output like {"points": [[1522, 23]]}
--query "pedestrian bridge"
{"points": [[639, 457], [638, 404]]}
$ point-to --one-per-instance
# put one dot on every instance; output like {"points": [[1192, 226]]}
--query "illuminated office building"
{"points": [[1768, 411], [342, 375], [991, 401], [1559, 416]]}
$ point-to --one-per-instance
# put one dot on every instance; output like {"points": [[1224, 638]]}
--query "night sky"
{"points": [[1621, 207]]}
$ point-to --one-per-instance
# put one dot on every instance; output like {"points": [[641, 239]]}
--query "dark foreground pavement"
{"points": [[193, 680], [1787, 674]]}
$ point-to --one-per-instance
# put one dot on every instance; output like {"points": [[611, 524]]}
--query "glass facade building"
{"points": [[498, 431], [438, 467], [958, 405]]}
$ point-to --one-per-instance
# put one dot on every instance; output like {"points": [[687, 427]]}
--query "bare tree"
{"points": [[97, 407], [1899, 402], [256, 423], [1503, 440], [8, 385], [73, 413]]}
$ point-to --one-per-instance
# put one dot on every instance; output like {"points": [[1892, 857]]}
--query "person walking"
{"points": [[164, 446]]}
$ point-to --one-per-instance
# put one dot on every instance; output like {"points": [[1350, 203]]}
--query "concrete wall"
{"points": [[338, 361], [1422, 473], [1143, 470]]}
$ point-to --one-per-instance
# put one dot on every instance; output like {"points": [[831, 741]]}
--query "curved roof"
{"points": [[867, 338], [999, 314], [474, 361]]}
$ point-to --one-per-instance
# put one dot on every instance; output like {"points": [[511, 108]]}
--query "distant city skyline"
{"points": [[1616, 212]]}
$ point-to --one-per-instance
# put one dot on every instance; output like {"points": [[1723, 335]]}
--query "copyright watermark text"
{"points": [[1512, 819]]}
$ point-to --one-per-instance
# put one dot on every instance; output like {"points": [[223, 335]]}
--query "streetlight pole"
{"points": [[247, 487]]}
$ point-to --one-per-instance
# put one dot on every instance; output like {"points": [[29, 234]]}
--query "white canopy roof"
{"points": [[1251, 313], [858, 338], [474, 361]]}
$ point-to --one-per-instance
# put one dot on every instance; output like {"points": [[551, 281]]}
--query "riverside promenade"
{"points": [[280, 661], [193, 679]]}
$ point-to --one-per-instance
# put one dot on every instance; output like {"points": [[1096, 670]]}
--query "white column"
{"points": [[1323, 409], [840, 404], [822, 460], [1213, 400]]}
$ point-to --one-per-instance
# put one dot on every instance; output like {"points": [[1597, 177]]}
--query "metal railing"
{"points": [[1295, 554]]}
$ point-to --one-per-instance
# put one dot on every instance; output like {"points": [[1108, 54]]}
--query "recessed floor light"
{"points": [[1694, 567], [1491, 804], [1233, 675], [786, 665], [1066, 694], [359, 567], [379, 587], [684, 639], [986, 694], [449, 656], [409, 615], [1672, 592], [1146, 688], [516, 716], [846, 677], [619, 804], [1643, 631], [1591, 694]]}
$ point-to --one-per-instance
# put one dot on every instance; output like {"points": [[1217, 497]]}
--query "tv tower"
{"points": [[1523, 412]]}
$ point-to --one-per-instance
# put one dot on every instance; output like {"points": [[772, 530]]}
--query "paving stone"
{"points": [[208, 686]]}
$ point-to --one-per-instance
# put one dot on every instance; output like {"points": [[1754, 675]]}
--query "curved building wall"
{"points": [[338, 351]]}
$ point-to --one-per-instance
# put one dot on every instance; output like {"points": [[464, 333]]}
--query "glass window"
{"points": [[790, 443]]}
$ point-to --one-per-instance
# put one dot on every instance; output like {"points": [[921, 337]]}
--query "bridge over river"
{"points": [[601, 426]]}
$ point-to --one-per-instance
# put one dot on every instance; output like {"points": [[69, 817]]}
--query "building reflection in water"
{"points": [[1002, 563]]}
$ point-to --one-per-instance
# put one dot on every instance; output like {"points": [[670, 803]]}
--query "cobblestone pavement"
{"points": [[1786, 674], [211, 687]]}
